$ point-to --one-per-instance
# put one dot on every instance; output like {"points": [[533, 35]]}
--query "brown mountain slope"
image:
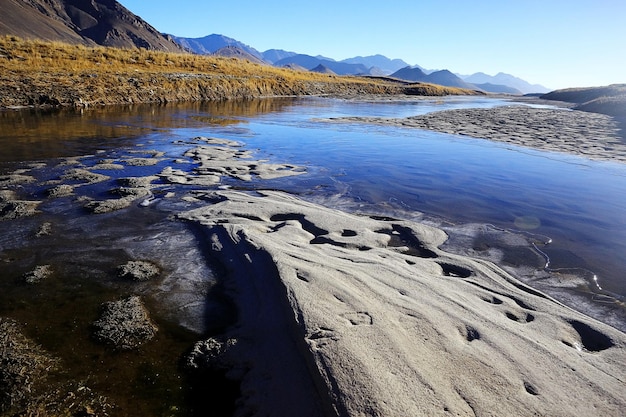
{"points": [[87, 22]]}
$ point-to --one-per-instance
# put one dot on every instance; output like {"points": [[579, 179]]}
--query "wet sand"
{"points": [[372, 318], [590, 135]]}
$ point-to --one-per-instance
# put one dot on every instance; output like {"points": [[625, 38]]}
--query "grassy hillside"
{"points": [[586, 94], [54, 73], [609, 100], [613, 106]]}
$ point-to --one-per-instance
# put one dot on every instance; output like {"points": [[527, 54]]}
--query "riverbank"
{"points": [[36, 73], [586, 134]]}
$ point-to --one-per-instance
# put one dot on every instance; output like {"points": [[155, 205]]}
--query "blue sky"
{"points": [[556, 43]]}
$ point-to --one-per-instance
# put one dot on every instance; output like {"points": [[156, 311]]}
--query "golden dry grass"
{"points": [[38, 72]]}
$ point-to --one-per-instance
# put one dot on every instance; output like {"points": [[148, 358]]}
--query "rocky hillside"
{"points": [[235, 52], [86, 22], [210, 44]]}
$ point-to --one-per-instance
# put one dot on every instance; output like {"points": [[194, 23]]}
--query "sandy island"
{"points": [[590, 135]]}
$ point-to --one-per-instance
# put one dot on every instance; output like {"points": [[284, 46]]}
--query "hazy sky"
{"points": [[556, 43]]}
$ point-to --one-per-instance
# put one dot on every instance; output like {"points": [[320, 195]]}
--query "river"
{"points": [[556, 221]]}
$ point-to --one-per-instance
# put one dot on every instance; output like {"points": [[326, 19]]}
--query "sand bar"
{"points": [[590, 135], [357, 316]]}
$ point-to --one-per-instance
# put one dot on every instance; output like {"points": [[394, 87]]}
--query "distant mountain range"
{"points": [[510, 85], [443, 77], [505, 79], [381, 62], [108, 23], [213, 43], [375, 65]]}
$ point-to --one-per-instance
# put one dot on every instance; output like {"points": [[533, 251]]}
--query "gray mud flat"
{"points": [[591, 135]]}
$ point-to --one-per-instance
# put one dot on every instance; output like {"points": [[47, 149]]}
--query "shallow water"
{"points": [[577, 202], [495, 200]]}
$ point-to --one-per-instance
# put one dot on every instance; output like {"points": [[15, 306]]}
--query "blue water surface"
{"points": [[579, 203]]}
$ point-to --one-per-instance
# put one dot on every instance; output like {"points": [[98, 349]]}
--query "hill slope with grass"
{"points": [[610, 100], [95, 22], [58, 74]]}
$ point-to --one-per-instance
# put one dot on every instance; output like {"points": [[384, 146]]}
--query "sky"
{"points": [[555, 43]]}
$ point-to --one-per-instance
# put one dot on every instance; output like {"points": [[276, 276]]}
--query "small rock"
{"points": [[16, 209], [62, 190], [209, 354], [140, 162], [107, 166], [38, 274], [44, 230], [152, 152], [83, 175], [70, 162], [13, 179], [37, 165], [107, 206], [174, 176], [7, 195], [134, 192], [124, 324], [137, 182], [138, 270]]}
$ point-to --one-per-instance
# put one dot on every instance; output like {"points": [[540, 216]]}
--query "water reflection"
{"points": [[35, 134]]}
